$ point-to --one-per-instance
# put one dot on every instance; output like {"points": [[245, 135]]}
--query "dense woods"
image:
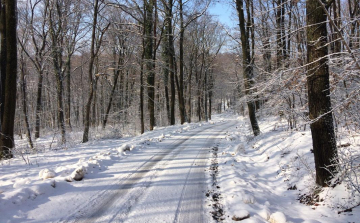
{"points": [[128, 66]]}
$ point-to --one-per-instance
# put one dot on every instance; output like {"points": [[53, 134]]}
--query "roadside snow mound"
{"points": [[272, 176], [277, 217], [46, 173], [78, 174]]}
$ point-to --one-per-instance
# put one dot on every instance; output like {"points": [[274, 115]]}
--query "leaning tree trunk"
{"points": [[322, 129], [247, 66], [9, 98], [116, 76]]}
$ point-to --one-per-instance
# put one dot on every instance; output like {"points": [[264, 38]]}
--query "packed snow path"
{"points": [[164, 183]]}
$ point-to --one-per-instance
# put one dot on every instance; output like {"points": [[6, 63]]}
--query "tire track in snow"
{"points": [[93, 210], [189, 217]]}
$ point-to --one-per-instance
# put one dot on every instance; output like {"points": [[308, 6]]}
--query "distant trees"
{"points": [[129, 66], [79, 69]]}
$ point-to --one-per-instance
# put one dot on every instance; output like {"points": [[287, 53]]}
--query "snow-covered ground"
{"points": [[263, 177], [259, 179]]}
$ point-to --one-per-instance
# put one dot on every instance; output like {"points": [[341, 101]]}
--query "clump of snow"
{"points": [[125, 147], [265, 213], [78, 174], [277, 217], [241, 215], [46, 173]]}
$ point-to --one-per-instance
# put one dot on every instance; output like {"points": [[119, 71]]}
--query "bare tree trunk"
{"points": [[150, 64], [189, 88], [24, 103], [142, 130], [3, 58], [169, 54], [266, 38], [8, 28], [93, 80], [181, 65], [90, 75], [38, 104], [322, 128], [247, 66], [68, 90], [165, 56], [116, 76], [60, 106]]}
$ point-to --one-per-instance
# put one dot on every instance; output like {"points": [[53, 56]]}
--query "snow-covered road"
{"points": [[164, 183], [182, 173]]}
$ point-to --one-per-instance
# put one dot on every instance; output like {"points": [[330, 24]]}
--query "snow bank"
{"points": [[267, 175]]}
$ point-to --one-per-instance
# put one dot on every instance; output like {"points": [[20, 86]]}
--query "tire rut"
{"points": [[97, 205]]}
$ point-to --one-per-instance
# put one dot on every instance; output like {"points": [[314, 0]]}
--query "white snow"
{"points": [[254, 176], [46, 173]]}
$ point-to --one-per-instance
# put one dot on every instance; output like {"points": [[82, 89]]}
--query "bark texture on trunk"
{"points": [[9, 23], [149, 47], [322, 128], [247, 66]]}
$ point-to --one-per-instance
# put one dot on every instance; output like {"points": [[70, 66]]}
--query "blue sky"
{"points": [[223, 11]]}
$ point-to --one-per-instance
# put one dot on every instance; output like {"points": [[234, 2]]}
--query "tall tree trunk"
{"points": [[337, 40], [112, 93], [266, 38], [205, 90], [3, 58], [56, 31], [90, 74], [38, 104], [150, 64], [189, 96], [24, 103], [60, 106], [68, 91], [9, 98], [172, 89], [142, 124], [322, 129], [181, 65], [169, 54], [165, 69], [247, 66]]}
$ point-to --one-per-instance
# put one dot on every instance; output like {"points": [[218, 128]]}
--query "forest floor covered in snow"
{"points": [[266, 177], [252, 179]]}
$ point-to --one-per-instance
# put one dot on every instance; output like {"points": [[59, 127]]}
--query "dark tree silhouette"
{"points": [[8, 75]]}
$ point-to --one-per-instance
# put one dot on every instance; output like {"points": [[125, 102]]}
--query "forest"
{"points": [[129, 66]]}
